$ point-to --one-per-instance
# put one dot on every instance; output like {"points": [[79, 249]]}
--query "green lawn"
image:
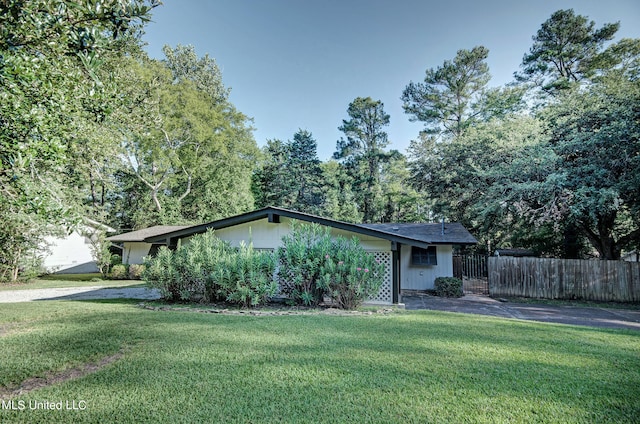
{"points": [[420, 366]]}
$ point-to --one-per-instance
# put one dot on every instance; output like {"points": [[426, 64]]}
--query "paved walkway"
{"points": [[78, 293], [484, 305], [470, 304]]}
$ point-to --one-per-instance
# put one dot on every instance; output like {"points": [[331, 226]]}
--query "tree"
{"points": [[290, 175], [184, 64], [49, 83], [363, 152], [402, 202], [195, 153], [306, 172], [596, 135], [272, 184], [564, 51], [340, 202], [471, 179], [446, 101]]}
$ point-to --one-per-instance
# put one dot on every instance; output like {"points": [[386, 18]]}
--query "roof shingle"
{"points": [[142, 234]]}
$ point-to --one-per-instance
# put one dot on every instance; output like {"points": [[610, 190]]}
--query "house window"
{"points": [[424, 257]]}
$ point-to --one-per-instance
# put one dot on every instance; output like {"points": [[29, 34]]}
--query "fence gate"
{"points": [[473, 271]]}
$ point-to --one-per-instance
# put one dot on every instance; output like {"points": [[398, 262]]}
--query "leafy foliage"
{"points": [[313, 265], [186, 273], [564, 51], [350, 275], [290, 175], [194, 157], [245, 276], [300, 260], [448, 287], [446, 100], [119, 272], [363, 153], [51, 89], [207, 269], [136, 271]]}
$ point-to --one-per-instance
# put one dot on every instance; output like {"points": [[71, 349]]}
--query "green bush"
{"points": [[183, 274], [244, 277], [119, 272], [300, 259], [448, 287], [135, 271], [350, 275], [207, 269]]}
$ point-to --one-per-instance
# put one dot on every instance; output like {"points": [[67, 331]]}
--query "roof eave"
{"points": [[273, 214]]}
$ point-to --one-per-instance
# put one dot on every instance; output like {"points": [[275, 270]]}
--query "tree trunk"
{"points": [[602, 239]]}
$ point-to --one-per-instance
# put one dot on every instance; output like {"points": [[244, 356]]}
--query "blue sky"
{"points": [[298, 64]]}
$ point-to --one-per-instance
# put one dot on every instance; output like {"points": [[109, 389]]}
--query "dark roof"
{"points": [[432, 233], [517, 252], [141, 235], [421, 235]]}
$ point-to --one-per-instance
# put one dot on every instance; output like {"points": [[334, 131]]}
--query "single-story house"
{"points": [[414, 254], [72, 253], [134, 246]]}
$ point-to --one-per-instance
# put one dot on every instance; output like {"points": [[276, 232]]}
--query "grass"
{"points": [[418, 366], [70, 280]]}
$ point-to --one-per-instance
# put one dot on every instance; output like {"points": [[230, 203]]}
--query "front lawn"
{"points": [[418, 366]]}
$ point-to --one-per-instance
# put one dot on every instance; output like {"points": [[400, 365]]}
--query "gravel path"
{"points": [[78, 293]]}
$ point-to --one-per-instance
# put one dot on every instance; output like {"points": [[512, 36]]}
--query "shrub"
{"points": [[448, 287], [350, 275], [244, 277], [209, 269], [300, 259], [119, 272], [135, 271], [184, 274]]}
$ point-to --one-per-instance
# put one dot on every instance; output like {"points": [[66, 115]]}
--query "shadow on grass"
{"points": [[413, 367]]}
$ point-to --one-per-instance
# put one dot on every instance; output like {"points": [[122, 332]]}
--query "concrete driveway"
{"points": [[78, 293], [484, 305]]}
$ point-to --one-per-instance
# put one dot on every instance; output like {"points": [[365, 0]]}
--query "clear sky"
{"points": [[295, 64]]}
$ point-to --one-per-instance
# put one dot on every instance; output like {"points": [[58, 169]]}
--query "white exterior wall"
{"points": [[266, 235], [423, 277], [134, 252], [67, 252]]}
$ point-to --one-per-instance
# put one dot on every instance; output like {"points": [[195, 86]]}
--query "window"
{"points": [[424, 257]]}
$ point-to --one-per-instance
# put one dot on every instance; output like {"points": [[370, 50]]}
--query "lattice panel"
{"points": [[385, 295]]}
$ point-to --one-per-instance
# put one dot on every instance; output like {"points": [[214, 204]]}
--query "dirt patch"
{"points": [[51, 378], [267, 311], [13, 328]]}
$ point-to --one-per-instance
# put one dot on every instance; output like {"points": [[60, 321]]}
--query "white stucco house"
{"points": [[134, 245], [413, 254], [71, 253]]}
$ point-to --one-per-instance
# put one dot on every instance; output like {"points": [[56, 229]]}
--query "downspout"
{"points": [[395, 272]]}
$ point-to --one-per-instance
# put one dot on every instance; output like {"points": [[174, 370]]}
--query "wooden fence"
{"points": [[617, 281], [470, 266]]}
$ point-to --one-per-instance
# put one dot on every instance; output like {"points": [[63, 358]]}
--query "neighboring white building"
{"points": [[71, 254], [632, 256], [414, 254]]}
